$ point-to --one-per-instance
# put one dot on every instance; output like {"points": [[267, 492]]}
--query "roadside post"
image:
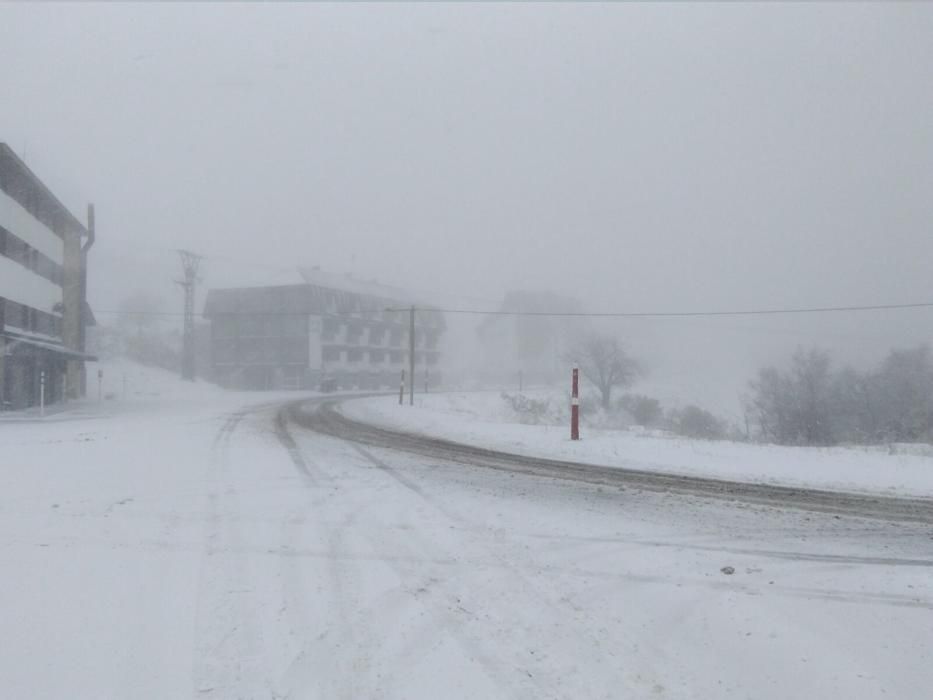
{"points": [[575, 405], [100, 385], [42, 393], [425, 379], [411, 357], [401, 390]]}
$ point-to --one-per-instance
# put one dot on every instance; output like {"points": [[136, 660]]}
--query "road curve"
{"points": [[322, 417]]}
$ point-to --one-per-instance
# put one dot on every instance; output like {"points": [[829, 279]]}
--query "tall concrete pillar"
{"points": [[2, 360], [71, 311]]}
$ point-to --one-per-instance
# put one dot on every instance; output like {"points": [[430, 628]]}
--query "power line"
{"points": [[570, 314], [684, 314]]}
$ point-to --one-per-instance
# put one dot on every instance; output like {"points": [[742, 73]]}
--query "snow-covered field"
{"points": [[485, 418], [176, 544]]}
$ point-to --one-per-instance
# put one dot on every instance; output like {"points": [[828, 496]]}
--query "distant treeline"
{"points": [[811, 402]]}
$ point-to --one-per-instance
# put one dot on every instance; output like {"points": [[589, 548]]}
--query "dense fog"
{"points": [[628, 158]]}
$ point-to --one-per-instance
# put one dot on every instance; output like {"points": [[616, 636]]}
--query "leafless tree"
{"points": [[605, 363]]}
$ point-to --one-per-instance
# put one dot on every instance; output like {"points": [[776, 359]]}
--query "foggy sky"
{"points": [[639, 157]]}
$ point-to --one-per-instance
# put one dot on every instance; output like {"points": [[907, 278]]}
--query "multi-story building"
{"points": [[43, 312], [534, 344], [326, 332]]}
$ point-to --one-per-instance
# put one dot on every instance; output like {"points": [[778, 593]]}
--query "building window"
{"points": [[295, 350], [270, 350], [354, 333], [225, 351], [354, 355], [331, 354], [294, 325], [329, 329], [251, 326], [251, 350], [223, 326]]}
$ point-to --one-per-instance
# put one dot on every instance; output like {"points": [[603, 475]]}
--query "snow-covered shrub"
{"points": [[527, 409], [645, 411], [695, 422]]}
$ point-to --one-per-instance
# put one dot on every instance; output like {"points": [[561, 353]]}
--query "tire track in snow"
{"points": [[329, 421], [381, 614], [229, 650]]}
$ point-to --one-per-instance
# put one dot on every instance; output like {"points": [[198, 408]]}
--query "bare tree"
{"points": [[794, 406], [605, 363]]}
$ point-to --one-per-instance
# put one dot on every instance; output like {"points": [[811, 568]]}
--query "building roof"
{"points": [[307, 299], [20, 183]]}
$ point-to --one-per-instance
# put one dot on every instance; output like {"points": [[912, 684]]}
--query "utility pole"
{"points": [[411, 356], [189, 264]]}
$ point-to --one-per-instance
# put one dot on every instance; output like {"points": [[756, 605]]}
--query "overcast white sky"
{"points": [[661, 156]]}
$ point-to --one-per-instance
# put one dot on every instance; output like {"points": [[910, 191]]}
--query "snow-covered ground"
{"points": [[176, 544], [485, 418]]}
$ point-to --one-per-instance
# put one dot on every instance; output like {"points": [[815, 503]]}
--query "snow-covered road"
{"points": [[211, 550]]}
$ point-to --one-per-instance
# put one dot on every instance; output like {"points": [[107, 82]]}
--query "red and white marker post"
{"points": [[575, 406]]}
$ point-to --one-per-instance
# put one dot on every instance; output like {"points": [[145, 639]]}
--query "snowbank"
{"points": [[484, 418]]}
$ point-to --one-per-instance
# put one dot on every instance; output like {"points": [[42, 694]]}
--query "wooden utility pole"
{"points": [[411, 356], [189, 262]]}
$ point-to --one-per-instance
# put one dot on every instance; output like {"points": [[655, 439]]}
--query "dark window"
{"points": [[251, 350], [45, 323], [224, 326], [354, 332], [295, 350], [354, 355], [332, 354], [251, 326], [377, 356], [224, 351], [330, 328], [295, 325], [19, 251], [272, 326], [271, 350], [14, 314], [16, 250]]}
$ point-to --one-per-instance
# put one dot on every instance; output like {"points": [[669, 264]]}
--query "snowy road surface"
{"points": [[210, 549]]}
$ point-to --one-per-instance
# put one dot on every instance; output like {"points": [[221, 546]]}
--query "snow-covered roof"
{"points": [[312, 299]]}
